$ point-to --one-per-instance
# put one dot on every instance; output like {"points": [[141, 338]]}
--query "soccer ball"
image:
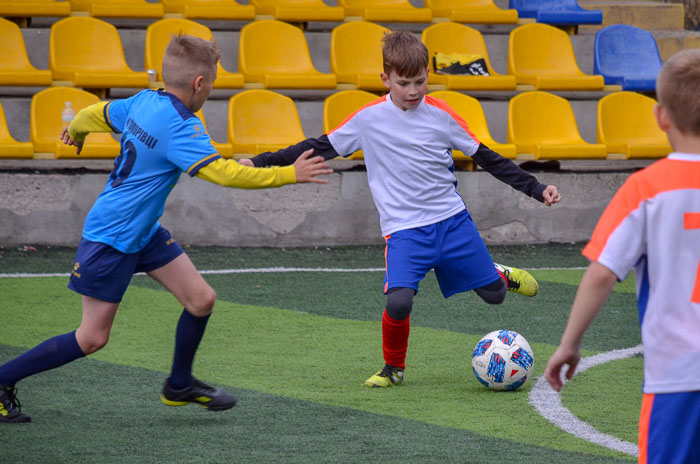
{"points": [[502, 360]]}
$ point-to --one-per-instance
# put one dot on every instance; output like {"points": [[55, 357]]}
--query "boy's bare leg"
{"points": [[181, 278], [96, 325]]}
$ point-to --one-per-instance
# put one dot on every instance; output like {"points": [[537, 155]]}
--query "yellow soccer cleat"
{"points": [[518, 280], [387, 377]]}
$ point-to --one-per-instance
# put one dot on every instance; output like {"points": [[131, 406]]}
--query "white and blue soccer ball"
{"points": [[503, 360]]}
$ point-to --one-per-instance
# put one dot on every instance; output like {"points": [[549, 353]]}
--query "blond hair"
{"points": [[404, 53], [187, 57], [678, 90]]}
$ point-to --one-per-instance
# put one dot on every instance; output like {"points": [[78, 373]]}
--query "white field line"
{"points": [[548, 404], [268, 270]]}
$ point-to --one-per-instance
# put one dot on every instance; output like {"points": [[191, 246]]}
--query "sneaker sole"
{"points": [[21, 419], [168, 402]]}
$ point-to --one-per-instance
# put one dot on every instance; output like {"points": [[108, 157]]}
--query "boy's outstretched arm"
{"points": [[593, 291], [321, 146], [89, 119], [510, 173], [229, 173]]}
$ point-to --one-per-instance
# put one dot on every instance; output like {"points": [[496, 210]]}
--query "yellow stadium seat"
{"points": [[28, 8], [542, 55], [262, 120], [158, 36], [471, 111], [209, 9], [356, 54], [457, 38], [299, 10], [9, 147], [386, 11], [15, 68], [225, 149], [276, 55], [471, 11], [342, 104], [626, 124], [88, 52], [45, 125], [544, 125], [118, 8]]}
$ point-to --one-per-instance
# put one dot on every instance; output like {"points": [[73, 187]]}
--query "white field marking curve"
{"points": [[548, 404], [267, 270]]}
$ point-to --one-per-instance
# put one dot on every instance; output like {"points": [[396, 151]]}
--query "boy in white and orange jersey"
{"points": [[407, 139], [652, 225]]}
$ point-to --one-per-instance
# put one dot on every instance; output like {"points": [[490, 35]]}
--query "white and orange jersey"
{"points": [[652, 225], [409, 162]]}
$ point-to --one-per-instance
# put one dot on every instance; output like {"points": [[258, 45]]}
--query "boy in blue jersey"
{"points": [[407, 139], [161, 138]]}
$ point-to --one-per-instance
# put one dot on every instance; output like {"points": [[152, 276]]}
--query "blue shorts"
{"points": [[669, 428], [452, 247], [103, 272]]}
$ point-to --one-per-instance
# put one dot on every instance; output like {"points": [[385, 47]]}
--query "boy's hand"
{"points": [[551, 195], [308, 169], [65, 136], [562, 356], [246, 162]]}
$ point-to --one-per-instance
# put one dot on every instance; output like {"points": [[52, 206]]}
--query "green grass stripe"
{"points": [[358, 296], [92, 411], [60, 259], [594, 390], [315, 358]]}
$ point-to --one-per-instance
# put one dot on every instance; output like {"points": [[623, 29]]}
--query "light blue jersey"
{"points": [[161, 138]]}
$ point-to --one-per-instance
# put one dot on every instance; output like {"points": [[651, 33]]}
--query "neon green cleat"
{"points": [[387, 377], [519, 280]]}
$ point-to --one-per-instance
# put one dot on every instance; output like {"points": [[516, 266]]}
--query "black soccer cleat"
{"points": [[10, 409], [214, 399]]}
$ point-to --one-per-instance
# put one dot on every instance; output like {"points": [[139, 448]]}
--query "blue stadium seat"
{"points": [[562, 12], [627, 56]]}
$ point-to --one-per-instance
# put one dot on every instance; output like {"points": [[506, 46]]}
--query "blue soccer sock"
{"points": [[50, 354], [190, 330]]}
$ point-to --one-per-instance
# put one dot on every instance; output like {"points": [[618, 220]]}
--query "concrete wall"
{"points": [[48, 207]]}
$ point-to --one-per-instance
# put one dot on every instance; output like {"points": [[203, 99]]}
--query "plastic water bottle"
{"points": [[67, 115]]}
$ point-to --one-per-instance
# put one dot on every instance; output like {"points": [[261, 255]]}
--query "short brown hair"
{"points": [[404, 53], [678, 90], [187, 57]]}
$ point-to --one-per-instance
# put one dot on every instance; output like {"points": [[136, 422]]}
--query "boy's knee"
{"points": [[92, 343], [493, 293], [204, 303], [399, 302]]}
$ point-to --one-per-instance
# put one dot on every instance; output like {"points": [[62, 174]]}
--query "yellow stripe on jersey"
{"points": [[192, 170], [231, 174]]}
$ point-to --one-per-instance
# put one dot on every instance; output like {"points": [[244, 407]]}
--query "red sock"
{"points": [[503, 276], [395, 340]]}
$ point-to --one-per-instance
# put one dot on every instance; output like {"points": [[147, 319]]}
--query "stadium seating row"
{"points": [[540, 125], [274, 54], [470, 11]]}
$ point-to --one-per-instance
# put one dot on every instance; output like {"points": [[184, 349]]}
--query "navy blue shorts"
{"points": [[452, 247], [103, 272]]}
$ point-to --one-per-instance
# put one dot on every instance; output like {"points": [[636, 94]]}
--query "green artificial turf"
{"points": [[296, 347]]}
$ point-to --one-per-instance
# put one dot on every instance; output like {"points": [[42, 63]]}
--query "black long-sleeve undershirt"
{"points": [[286, 156], [499, 167]]}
